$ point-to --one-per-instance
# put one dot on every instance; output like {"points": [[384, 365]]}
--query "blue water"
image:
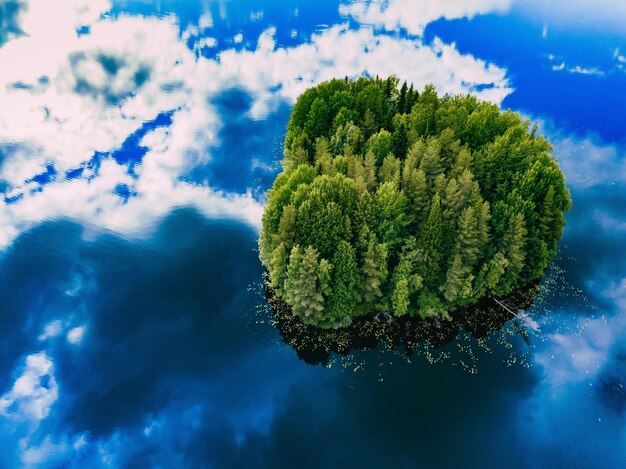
{"points": [[137, 143]]}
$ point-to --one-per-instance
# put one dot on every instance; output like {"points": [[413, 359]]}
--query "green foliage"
{"points": [[399, 200], [301, 285], [374, 270], [380, 144], [347, 287]]}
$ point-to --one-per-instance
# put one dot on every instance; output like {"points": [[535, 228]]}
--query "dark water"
{"points": [[134, 329]]}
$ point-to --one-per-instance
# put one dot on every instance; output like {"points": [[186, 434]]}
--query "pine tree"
{"points": [[390, 214], [370, 127], [324, 276], [491, 273], [374, 269], [463, 162], [430, 242], [468, 243], [452, 202], [417, 190], [400, 139], [548, 225], [301, 291], [400, 297], [416, 153], [431, 161], [278, 267], [513, 249], [455, 279], [287, 226], [381, 144], [411, 98], [450, 148], [369, 166], [482, 225], [401, 108], [318, 121], [390, 170], [348, 283]]}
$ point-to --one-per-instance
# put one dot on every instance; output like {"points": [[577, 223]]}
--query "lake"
{"points": [[137, 143]]}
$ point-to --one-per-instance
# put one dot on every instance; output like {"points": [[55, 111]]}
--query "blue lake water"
{"points": [[137, 142]]}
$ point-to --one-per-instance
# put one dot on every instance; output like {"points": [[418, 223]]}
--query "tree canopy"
{"points": [[398, 200]]}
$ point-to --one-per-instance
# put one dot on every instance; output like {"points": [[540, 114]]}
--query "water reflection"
{"points": [[315, 346], [125, 338]]}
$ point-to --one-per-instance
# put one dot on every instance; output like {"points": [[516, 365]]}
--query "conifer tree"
{"points": [[455, 279], [278, 267], [390, 170], [370, 127], [400, 297], [287, 226], [392, 198], [301, 290], [347, 283], [431, 161], [374, 269], [468, 242], [513, 244], [401, 108], [369, 166], [430, 242], [400, 138]]}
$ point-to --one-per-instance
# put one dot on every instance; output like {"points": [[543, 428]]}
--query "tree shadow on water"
{"points": [[314, 345]]}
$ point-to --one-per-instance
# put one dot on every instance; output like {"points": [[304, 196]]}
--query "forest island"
{"points": [[399, 201]]}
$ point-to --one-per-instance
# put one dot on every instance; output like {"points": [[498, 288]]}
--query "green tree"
{"points": [[369, 166], [370, 127], [400, 297], [390, 214], [348, 284], [430, 163], [380, 144], [456, 284], [430, 241], [390, 170], [318, 119], [278, 267], [400, 137], [287, 225], [401, 107], [374, 270], [422, 203], [513, 249], [301, 289]]}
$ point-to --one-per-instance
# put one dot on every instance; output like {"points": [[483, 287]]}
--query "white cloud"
{"points": [[588, 161], [414, 15], [52, 329], [75, 335], [256, 16], [45, 452], [578, 69], [102, 86], [29, 399], [339, 51], [570, 357], [81, 107]]}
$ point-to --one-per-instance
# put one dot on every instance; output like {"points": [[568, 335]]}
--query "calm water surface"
{"points": [[137, 142]]}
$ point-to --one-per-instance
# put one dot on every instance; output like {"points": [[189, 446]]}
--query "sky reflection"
{"points": [[137, 140]]}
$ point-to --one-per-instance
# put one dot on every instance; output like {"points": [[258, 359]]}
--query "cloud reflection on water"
{"points": [[136, 316]]}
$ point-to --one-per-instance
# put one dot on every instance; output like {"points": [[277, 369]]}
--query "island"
{"points": [[407, 203]]}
